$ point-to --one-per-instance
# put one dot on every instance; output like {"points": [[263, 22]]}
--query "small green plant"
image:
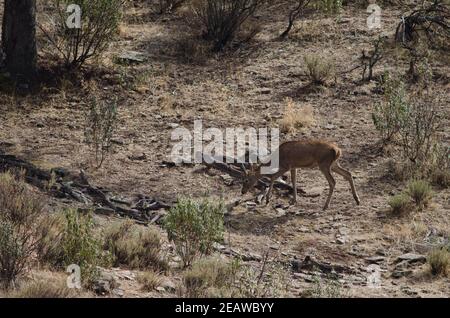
{"points": [[319, 69], [134, 246], [439, 261], [101, 121], [400, 203], [420, 191], [194, 227], [81, 247]]}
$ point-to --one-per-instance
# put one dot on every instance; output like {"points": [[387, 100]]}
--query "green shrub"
{"points": [[400, 203], [98, 26], [81, 247], [135, 246], [194, 227], [389, 115], [319, 69], [439, 261], [209, 276], [420, 191], [20, 219]]}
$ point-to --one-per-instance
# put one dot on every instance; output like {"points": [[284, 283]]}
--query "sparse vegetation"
{"points": [[420, 191], [209, 277], [20, 220], [149, 280], [194, 227], [76, 43], [388, 116], [81, 247], [319, 69], [221, 20], [49, 288], [134, 246], [439, 261], [400, 203], [101, 121], [294, 118]]}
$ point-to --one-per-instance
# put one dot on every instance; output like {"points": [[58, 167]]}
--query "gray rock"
{"points": [[411, 258], [131, 57], [169, 286], [375, 259]]}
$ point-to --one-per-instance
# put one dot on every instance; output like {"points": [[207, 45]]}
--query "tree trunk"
{"points": [[19, 39]]}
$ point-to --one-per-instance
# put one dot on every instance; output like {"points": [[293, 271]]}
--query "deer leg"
{"points": [[326, 170], [347, 176], [294, 183], [272, 181]]}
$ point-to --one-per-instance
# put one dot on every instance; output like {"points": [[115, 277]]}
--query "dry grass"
{"points": [[45, 285], [295, 118], [149, 281], [134, 246], [207, 276], [439, 262]]}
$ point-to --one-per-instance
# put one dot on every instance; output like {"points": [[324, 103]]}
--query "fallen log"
{"points": [[78, 188]]}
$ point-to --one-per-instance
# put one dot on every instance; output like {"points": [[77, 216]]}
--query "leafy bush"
{"points": [[418, 131], [388, 116], [81, 247], [420, 191], [319, 69], [221, 20], [134, 246], [439, 261], [399, 203], [194, 227], [101, 123], [208, 276], [99, 21], [20, 219]]}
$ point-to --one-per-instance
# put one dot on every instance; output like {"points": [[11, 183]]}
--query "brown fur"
{"points": [[305, 154]]}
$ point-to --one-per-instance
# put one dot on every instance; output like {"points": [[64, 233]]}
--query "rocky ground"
{"points": [[249, 88]]}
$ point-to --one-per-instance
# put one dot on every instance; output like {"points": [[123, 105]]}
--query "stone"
{"points": [[169, 286], [131, 57], [401, 273], [118, 292], [411, 258], [173, 125], [375, 259]]}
